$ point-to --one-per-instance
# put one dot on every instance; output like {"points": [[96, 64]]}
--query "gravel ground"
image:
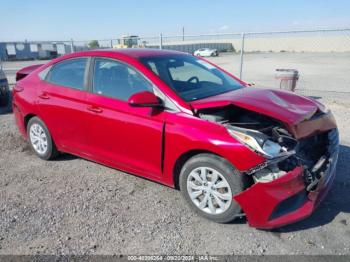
{"points": [[74, 206]]}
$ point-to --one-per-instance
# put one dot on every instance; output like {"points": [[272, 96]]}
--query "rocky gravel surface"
{"points": [[74, 206]]}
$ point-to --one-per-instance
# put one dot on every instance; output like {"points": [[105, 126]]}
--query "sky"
{"points": [[104, 19]]}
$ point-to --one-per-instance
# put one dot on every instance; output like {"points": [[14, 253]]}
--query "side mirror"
{"points": [[145, 99]]}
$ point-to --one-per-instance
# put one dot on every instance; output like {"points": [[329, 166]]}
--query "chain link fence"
{"points": [[321, 56]]}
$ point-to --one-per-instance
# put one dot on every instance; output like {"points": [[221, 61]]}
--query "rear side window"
{"points": [[69, 73], [117, 80]]}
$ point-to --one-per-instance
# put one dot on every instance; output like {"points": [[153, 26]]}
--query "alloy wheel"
{"points": [[209, 190], [38, 138]]}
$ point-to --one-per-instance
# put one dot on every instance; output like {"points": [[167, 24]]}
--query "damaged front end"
{"points": [[299, 167]]}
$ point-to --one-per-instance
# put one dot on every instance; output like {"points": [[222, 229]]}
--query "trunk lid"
{"points": [[26, 71]]}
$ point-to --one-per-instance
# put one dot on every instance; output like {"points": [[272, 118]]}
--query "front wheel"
{"points": [[208, 183], [40, 139]]}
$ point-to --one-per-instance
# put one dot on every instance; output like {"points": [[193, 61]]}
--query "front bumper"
{"points": [[286, 199]]}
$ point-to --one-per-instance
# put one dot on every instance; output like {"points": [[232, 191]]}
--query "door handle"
{"points": [[44, 95], [94, 109]]}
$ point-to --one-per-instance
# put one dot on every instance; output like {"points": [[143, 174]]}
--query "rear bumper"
{"points": [[286, 200], [19, 118]]}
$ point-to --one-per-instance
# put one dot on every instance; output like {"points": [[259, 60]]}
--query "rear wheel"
{"points": [[40, 139], [208, 183]]}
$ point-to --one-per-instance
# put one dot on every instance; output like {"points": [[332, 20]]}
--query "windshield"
{"points": [[191, 78]]}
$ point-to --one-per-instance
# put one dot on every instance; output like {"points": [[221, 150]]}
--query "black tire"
{"points": [[234, 178], [51, 151]]}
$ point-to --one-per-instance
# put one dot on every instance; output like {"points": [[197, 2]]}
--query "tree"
{"points": [[94, 44]]}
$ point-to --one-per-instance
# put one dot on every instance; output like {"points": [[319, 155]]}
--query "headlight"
{"points": [[256, 140]]}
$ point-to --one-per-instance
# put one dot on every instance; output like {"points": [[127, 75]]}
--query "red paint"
{"points": [[258, 209], [284, 106], [144, 99], [26, 71], [131, 138]]}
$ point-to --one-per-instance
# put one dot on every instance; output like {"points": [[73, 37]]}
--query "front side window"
{"points": [[191, 78], [69, 73], [188, 70], [117, 80]]}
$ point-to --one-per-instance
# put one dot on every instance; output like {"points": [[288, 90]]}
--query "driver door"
{"points": [[129, 138]]}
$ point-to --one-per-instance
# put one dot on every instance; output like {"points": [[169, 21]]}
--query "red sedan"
{"points": [[179, 120]]}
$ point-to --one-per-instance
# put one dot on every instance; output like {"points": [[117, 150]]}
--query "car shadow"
{"points": [[65, 157], [337, 201]]}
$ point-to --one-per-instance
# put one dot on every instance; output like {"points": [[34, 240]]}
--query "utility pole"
{"points": [[160, 41], [183, 33], [241, 58], [72, 45]]}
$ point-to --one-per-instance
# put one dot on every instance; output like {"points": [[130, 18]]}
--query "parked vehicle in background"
{"points": [[182, 121], [4, 90], [206, 52], [128, 41]]}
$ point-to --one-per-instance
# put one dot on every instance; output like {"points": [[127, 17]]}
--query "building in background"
{"points": [[32, 50]]}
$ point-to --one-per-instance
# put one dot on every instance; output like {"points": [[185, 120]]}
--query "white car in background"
{"points": [[206, 52]]}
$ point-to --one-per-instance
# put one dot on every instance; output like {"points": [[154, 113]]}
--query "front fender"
{"points": [[184, 133]]}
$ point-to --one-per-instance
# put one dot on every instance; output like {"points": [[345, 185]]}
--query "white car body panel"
{"points": [[205, 52]]}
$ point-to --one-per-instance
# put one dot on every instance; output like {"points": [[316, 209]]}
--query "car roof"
{"points": [[134, 52]]}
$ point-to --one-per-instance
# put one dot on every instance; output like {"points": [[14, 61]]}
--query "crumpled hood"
{"points": [[281, 105]]}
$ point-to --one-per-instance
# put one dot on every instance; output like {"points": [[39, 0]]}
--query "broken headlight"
{"points": [[256, 140]]}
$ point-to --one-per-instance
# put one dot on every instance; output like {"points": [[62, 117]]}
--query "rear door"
{"points": [[62, 103], [127, 137]]}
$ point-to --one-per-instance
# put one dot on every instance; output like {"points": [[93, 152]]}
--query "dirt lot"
{"points": [[74, 206]]}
